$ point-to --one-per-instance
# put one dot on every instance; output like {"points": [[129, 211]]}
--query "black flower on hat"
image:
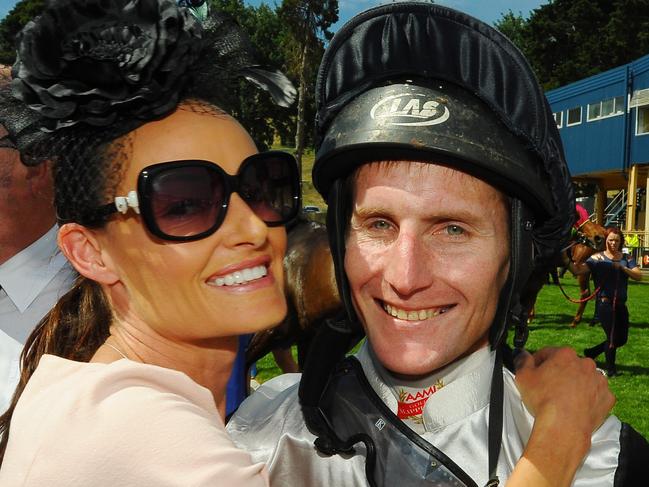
{"points": [[101, 61]]}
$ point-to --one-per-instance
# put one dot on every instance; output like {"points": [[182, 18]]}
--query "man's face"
{"points": [[13, 183], [26, 210], [427, 253]]}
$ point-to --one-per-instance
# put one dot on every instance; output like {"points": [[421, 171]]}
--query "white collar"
{"points": [[467, 383], [26, 274]]}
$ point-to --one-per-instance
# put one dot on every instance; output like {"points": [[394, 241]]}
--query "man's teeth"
{"points": [[414, 315], [239, 277]]}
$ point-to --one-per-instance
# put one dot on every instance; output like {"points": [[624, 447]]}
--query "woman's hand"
{"points": [[569, 399]]}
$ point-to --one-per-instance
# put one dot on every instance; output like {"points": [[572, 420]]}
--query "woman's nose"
{"points": [[242, 226]]}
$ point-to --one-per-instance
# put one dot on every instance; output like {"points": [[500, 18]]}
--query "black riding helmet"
{"points": [[422, 82], [446, 88]]}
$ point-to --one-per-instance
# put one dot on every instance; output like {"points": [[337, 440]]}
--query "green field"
{"points": [[552, 327], [631, 387]]}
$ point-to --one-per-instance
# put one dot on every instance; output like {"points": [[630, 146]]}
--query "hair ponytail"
{"points": [[74, 329]]}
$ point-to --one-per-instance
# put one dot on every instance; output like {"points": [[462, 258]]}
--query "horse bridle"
{"points": [[580, 238]]}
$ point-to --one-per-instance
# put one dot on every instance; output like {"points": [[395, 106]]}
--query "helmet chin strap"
{"points": [[521, 264], [339, 203]]}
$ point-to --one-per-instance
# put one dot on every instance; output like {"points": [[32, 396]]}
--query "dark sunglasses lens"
{"points": [[186, 201], [269, 185]]}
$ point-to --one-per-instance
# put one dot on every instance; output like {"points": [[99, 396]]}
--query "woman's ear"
{"points": [[82, 248]]}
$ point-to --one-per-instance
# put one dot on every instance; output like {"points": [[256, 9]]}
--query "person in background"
{"points": [[611, 270], [174, 222], [33, 273], [442, 168]]}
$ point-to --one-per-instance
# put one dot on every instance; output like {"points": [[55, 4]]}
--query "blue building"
{"points": [[604, 124]]}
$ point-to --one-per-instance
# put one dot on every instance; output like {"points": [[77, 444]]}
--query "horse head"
{"points": [[588, 239]]}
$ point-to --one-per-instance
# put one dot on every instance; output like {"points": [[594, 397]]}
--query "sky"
{"points": [[486, 10]]}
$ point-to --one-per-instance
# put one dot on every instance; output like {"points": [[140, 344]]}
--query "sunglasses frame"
{"points": [[142, 201]]}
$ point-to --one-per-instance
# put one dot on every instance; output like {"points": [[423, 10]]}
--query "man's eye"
{"points": [[454, 230], [380, 225]]}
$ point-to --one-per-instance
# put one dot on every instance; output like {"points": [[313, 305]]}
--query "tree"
{"points": [[23, 12], [308, 22], [254, 108], [567, 40], [514, 27]]}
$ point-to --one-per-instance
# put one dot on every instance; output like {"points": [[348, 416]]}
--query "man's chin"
{"points": [[411, 365]]}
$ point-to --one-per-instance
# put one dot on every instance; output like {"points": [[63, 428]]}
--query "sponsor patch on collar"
{"points": [[411, 404]]}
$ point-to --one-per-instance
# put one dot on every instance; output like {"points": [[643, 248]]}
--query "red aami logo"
{"points": [[421, 394], [410, 405]]}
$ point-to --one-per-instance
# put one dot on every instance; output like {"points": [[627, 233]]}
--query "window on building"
{"points": [[574, 116], [642, 120], [558, 118], [619, 105], [606, 108], [594, 111]]}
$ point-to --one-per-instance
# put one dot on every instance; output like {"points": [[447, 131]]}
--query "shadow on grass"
{"points": [[639, 325], [624, 370], [565, 320], [555, 320]]}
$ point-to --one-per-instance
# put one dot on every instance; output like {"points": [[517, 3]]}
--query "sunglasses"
{"points": [[188, 200]]}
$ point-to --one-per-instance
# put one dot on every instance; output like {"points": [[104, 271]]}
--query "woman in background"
{"points": [[611, 270]]}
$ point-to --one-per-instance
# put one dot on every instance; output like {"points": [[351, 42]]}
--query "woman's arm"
{"points": [[634, 273], [569, 399]]}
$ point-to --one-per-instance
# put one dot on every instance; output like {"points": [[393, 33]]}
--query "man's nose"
{"points": [[408, 265]]}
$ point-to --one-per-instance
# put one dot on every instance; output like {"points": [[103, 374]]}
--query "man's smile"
{"points": [[416, 314]]}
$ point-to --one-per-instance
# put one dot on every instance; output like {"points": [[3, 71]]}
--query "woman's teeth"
{"points": [[413, 315], [239, 277]]}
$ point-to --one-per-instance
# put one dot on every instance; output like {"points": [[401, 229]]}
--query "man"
{"points": [[445, 178], [33, 274]]}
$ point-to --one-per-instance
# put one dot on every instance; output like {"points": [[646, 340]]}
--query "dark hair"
{"points": [[74, 329], [80, 120], [615, 231]]}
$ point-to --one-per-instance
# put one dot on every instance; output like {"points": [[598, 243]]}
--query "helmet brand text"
{"points": [[410, 109]]}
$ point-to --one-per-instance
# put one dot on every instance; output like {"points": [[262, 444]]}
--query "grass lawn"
{"points": [[631, 387], [551, 327]]}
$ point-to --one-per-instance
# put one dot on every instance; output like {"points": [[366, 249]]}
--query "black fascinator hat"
{"points": [[122, 63]]}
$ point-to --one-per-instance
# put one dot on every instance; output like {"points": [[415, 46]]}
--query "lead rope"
{"points": [[617, 282], [495, 419]]}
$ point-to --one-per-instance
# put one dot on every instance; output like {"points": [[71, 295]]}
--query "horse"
{"points": [[588, 239], [311, 292]]}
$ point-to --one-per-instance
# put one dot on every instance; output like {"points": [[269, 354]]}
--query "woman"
{"points": [[174, 223], [611, 270]]}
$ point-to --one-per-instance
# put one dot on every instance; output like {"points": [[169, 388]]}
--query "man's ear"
{"points": [[82, 248], [40, 180]]}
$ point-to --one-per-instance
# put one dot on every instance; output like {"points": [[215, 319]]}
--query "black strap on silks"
{"points": [[353, 413], [495, 418], [350, 412]]}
